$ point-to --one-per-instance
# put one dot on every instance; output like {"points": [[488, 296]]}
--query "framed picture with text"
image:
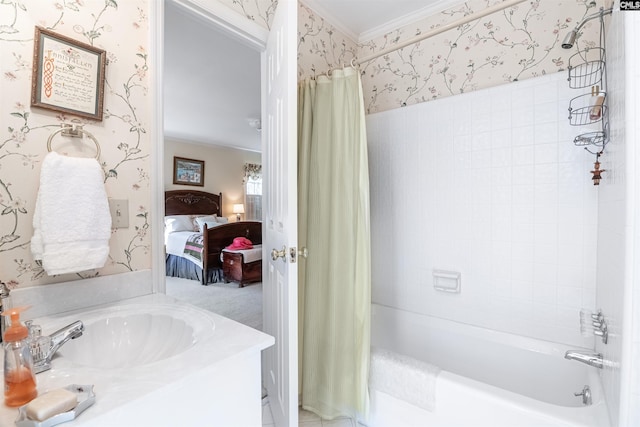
{"points": [[68, 75], [188, 171]]}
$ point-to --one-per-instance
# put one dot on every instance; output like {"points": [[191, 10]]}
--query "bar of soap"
{"points": [[51, 403]]}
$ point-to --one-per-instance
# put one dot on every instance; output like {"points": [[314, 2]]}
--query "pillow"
{"points": [[222, 219], [174, 223], [209, 220]]}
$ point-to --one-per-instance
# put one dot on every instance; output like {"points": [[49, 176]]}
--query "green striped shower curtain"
{"points": [[335, 280]]}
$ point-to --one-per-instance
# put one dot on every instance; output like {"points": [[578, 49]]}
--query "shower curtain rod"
{"points": [[435, 31]]}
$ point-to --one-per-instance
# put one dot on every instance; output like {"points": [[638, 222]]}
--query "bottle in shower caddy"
{"points": [[19, 378], [596, 103]]}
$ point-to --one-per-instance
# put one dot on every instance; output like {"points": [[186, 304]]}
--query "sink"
{"points": [[125, 341], [144, 352]]}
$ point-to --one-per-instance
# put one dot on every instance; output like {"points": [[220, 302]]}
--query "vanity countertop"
{"points": [[220, 343]]}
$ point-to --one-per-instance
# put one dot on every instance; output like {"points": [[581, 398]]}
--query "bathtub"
{"points": [[488, 378]]}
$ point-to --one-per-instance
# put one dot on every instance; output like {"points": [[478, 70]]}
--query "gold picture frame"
{"points": [[188, 171], [68, 75]]}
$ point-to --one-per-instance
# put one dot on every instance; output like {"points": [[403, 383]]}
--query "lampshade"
{"points": [[238, 209]]}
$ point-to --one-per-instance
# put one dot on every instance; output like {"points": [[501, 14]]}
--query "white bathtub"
{"points": [[488, 378]]}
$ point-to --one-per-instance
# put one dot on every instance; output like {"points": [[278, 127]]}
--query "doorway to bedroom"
{"points": [[212, 114]]}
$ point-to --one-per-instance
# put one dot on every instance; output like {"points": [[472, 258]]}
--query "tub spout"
{"points": [[590, 358], [43, 348]]}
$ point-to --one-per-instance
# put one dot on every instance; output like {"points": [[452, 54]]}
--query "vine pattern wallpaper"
{"points": [[122, 134], [259, 11], [321, 47], [514, 44]]}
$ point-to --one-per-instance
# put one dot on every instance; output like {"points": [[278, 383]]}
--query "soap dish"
{"points": [[86, 398]]}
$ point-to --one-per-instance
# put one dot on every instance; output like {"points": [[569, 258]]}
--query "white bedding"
{"points": [[174, 244]]}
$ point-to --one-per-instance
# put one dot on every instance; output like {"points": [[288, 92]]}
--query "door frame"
{"points": [[222, 18]]}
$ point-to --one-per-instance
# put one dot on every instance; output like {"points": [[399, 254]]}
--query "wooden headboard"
{"points": [[192, 202]]}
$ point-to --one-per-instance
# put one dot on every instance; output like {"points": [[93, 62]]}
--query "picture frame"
{"points": [[188, 171], [68, 75]]}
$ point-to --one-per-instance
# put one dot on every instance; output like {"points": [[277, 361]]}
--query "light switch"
{"points": [[119, 213]]}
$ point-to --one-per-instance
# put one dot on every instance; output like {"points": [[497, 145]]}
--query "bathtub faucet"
{"points": [[590, 358], [43, 348]]}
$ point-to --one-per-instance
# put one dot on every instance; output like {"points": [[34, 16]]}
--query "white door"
{"points": [[280, 276]]}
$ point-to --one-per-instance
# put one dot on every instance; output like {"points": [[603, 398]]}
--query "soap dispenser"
{"points": [[19, 379]]}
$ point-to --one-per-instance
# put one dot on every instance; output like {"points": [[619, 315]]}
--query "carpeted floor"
{"points": [[243, 305]]}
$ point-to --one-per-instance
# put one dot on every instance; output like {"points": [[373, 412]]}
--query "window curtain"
{"points": [[252, 200], [252, 170], [335, 279]]}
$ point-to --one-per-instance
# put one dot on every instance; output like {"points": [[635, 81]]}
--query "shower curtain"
{"points": [[335, 281]]}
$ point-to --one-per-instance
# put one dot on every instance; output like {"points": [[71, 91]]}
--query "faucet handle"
{"points": [[586, 395], [34, 330], [602, 332]]}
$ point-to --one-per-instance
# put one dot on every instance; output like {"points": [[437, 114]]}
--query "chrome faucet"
{"points": [[590, 358], [4, 305], [43, 348]]}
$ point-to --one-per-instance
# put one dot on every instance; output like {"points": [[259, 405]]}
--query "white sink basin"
{"points": [[201, 363], [125, 341]]}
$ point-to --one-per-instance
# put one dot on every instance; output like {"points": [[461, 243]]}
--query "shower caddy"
{"points": [[587, 70]]}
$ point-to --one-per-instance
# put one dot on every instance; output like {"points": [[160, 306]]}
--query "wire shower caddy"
{"points": [[587, 69]]}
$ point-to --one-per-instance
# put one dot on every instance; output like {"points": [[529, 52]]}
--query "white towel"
{"points": [[404, 377], [71, 222]]}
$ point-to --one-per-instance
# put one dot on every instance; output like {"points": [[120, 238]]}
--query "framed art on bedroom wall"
{"points": [[188, 171]]}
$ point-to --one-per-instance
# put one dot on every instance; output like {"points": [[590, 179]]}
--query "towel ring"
{"points": [[74, 132]]}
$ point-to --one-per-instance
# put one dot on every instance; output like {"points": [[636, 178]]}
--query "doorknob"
{"points": [[303, 252], [275, 254]]}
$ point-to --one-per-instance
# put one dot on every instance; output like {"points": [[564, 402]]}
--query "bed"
{"points": [[196, 255]]}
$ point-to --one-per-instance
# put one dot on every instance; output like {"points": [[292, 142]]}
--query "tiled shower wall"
{"points": [[616, 224], [632, 56], [630, 33], [488, 184]]}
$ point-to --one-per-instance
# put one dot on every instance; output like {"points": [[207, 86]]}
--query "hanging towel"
{"points": [[71, 222]]}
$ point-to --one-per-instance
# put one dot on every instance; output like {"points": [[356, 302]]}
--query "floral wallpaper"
{"points": [[514, 44], [320, 46], [259, 11], [121, 28]]}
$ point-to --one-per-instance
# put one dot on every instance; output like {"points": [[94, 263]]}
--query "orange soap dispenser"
{"points": [[19, 379]]}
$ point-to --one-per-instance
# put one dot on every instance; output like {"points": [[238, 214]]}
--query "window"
{"points": [[253, 192]]}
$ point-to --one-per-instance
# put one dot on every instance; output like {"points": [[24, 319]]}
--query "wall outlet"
{"points": [[119, 213]]}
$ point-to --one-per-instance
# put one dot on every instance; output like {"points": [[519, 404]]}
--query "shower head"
{"points": [[569, 39]]}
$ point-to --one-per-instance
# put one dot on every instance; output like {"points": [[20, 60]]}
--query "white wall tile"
{"points": [[522, 134], [505, 205], [546, 112]]}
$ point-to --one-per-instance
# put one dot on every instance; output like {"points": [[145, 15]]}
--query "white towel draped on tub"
{"points": [[403, 377], [71, 222]]}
